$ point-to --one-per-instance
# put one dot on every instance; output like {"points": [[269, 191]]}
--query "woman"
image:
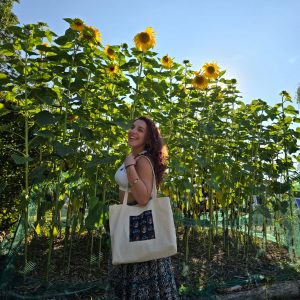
{"points": [[152, 279]]}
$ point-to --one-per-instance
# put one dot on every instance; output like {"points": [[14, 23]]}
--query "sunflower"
{"points": [[77, 24], [145, 40], [167, 62], [91, 35], [112, 70], [200, 82], [211, 70], [97, 34], [285, 95], [110, 52]]}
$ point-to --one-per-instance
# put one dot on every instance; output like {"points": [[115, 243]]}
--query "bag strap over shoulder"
{"points": [[154, 189]]}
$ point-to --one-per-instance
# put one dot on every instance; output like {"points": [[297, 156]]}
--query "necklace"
{"points": [[141, 153]]}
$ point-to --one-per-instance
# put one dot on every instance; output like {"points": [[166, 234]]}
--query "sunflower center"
{"points": [[199, 79], [110, 51], [211, 69], [144, 37], [88, 36], [112, 68]]}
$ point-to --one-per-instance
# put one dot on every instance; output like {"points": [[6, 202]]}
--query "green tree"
{"points": [[10, 174], [7, 17]]}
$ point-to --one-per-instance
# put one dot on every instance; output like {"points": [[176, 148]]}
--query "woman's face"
{"points": [[137, 135]]}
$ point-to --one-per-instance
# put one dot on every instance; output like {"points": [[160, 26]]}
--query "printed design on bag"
{"points": [[141, 227]]}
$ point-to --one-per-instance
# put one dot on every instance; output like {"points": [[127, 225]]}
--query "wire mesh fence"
{"points": [[85, 258]]}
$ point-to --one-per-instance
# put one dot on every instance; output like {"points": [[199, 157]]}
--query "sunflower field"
{"points": [[66, 103]]}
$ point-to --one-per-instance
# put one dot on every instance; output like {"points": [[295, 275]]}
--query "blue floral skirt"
{"points": [[147, 280]]}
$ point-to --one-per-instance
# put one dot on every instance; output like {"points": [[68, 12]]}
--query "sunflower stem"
{"points": [[134, 104]]}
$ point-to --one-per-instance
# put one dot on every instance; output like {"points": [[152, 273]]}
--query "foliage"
{"points": [[74, 100], [7, 17]]}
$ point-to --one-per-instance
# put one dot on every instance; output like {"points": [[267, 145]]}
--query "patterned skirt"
{"points": [[147, 280]]}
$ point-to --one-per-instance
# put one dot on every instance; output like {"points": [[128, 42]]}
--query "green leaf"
{"points": [[46, 134], [62, 150], [37, 174], [4, 112], [47, 100], [62, 40], [7, 50], [284, 205], [92, 202], [87, 133], [68, 37], [288, 119], [17, 32], [68, 20], [291, 110], [279, 188], [45, 118], [93, 216], [3, 76], [20, 160], [121, 123], [131, 65]]}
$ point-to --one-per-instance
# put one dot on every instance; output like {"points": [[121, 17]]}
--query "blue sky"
{"points": [[256, 41]]}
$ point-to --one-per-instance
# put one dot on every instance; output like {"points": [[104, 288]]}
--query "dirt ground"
{"points": [[202, 270]]}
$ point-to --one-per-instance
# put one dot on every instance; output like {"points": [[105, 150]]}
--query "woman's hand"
{"points": [[129, 161]]}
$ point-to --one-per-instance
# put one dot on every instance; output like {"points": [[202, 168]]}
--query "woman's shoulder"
{"points": [[145, 161]]}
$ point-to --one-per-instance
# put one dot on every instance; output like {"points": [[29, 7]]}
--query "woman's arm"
{"points": [[140, 178]]}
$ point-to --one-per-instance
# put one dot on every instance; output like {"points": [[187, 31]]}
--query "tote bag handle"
{"points": [[154, 189]]}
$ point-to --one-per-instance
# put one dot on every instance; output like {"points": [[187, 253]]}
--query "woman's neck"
{"points": [[139, 152]]}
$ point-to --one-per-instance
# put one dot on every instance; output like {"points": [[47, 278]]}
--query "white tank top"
{"points": [[121, 178]]}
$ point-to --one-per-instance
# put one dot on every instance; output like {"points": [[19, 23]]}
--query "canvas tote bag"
{"points": [[142, 233]]}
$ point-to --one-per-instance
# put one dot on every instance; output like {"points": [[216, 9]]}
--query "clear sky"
{"points": [[256, 41]]}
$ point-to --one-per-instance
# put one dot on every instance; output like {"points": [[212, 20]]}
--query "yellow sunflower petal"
{"points": [[112, 70], [77, 24], [167, 62], [285, 95], [97, 35], [145, 40], [211, 70], [200, 82], [110, 52], [91, 35]]}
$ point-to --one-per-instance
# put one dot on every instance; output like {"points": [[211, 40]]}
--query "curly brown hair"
{"points": [[156, 150]]}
